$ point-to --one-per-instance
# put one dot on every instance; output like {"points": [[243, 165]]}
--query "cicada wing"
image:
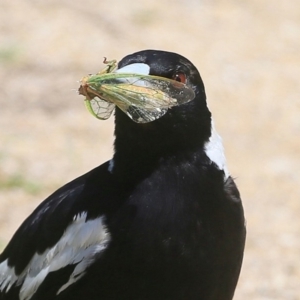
{"points": [[140, 104], [168, 91], [139, 114], [144, 98], [99, 108]]}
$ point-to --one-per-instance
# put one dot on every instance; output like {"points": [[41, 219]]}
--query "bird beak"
{"points": [[136, 68]]}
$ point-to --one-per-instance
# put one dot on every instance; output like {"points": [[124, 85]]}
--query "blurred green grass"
{"points": [[19, 181], [9, 54]]}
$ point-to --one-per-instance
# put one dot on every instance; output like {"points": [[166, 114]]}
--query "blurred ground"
{"points": [[248, 55]]}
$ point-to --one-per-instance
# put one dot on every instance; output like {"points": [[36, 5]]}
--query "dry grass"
{"points": [[248, 55]]}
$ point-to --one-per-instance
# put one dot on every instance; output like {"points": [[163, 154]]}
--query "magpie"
{"points": [[163, 219]]}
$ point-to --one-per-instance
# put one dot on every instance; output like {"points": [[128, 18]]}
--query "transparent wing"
{"points": [[140, 115], [140, 104], [127, 104], [99, 108], [137, 111], [165, 90], [143, 98]]}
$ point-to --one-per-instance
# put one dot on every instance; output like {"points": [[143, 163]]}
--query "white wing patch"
{"points": [[7, 276], [79, 245], [215, 151]]}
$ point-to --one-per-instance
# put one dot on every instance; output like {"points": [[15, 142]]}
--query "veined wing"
{"points": [[158, 87], [99, 108], [143, 98], [139, 103]]}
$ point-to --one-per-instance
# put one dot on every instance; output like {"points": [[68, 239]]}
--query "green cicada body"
{"points": [[144, 98]]}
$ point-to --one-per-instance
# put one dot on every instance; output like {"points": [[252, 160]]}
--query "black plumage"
{"points": [[162, 220]]}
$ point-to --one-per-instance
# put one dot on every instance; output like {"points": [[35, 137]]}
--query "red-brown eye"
{"points": [[180, 77]]}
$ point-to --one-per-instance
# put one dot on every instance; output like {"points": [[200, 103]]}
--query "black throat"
{"points": [[139, 148]]}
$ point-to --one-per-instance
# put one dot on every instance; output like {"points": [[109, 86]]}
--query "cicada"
{"points": [[144, 98]]}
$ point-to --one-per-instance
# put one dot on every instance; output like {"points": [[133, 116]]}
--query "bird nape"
{"points": [[162, 219]]}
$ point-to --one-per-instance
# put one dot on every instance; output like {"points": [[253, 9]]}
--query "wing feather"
{"points": [[58, 235]]}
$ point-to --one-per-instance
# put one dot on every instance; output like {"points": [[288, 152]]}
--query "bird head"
{"points": [[185, 125]]}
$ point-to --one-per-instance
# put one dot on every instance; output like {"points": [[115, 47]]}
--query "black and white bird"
{"points": [[162, 219]]}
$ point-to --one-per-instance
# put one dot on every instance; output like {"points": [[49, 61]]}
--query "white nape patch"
{"points": [[79, 245], [137, 68], [215, 151], [111, 166]]}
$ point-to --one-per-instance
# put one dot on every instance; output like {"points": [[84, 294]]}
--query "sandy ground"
{"points": [[248, 55]]}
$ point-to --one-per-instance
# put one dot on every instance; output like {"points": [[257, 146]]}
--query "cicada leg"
{"points": [[111, 65]]}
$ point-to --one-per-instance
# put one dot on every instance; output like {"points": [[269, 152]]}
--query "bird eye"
{"points": [[180, 77]]}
